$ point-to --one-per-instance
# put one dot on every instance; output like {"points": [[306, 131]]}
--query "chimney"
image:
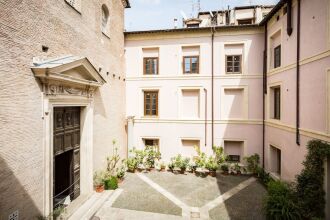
{"points": [[175, 23]]}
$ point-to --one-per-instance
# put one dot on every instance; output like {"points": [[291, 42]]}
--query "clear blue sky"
{"points": [[159, 14]]}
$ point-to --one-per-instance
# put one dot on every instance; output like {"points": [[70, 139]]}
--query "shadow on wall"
{"points": [[14, 197]]}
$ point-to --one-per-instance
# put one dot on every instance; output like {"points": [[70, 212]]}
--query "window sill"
{"points": [[233, 74], [150, 117], [190, 74]]}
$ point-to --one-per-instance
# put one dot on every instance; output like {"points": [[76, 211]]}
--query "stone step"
{"points": [[91, 206]]}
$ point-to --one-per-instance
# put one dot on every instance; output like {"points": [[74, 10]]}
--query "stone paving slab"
{"points": [[195, 191], [137, 195], [245, 205]]}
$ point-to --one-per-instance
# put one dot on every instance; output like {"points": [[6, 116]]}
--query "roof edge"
{"points": [[180, 30], [277, 7]]}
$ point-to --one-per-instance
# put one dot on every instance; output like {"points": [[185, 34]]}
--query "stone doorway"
{"points": [[66, 162]]}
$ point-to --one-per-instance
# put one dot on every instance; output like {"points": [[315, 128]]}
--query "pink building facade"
{"points": [[244, 122]]}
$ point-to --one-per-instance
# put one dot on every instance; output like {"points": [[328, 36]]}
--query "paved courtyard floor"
{"points": [[164, 195]]}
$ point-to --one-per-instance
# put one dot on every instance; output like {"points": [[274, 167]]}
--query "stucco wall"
{"points": [[314, 86], [25, 27], [170, 127]]}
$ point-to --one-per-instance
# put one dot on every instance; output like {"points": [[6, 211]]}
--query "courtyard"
{"points": [[166, 195]]}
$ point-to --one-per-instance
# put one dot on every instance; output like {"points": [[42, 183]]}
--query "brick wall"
{"points": [[24, 27]]}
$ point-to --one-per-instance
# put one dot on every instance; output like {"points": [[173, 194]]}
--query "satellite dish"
{"points": [[183, 15]]}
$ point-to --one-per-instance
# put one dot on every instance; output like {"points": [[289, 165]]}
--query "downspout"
{"points": [[264, 92], [205, 121], [298, 78], [212, 85], [289, 17]]}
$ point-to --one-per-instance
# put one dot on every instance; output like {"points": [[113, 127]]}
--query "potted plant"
{"points": [[171, 165], [191, 167], [237, 169], [162, 167], [111, 183], [131, 164], [183, 165], [99, 181], [121, 173], [225, 168], [212, 166]]}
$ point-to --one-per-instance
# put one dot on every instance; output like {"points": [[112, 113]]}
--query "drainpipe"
{"points": [[205, 120], [298, 78], [212, 84], [264, 92], [289, 17]]}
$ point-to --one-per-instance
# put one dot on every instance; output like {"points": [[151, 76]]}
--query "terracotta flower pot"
{"points": [[212, 173], [99, 188]]}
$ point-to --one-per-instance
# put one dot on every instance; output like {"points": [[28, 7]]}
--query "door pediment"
{"points": [[69, 70], [68, 75]]}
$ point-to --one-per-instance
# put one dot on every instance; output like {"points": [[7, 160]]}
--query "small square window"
{"points": [[233, 64], [191, 65], [150, 65]]}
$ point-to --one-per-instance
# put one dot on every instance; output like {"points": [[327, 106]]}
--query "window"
{"points": [[151, 103], [152, 142], [275, 160], [150, 65], [105, 19], [244, 21], [234, 150], [192, 25], [233, 64], [277, 103], [191, 65], [277, 56]]}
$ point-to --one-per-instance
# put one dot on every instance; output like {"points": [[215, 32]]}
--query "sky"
{"points": [[159, 14]]}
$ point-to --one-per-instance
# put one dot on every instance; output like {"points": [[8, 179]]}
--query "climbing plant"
{"points": [[310, 182]]}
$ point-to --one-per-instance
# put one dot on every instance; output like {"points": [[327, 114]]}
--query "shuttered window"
{"points": [[150, 65], [151, 103]]}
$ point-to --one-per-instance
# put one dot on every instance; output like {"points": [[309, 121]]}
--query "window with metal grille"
{"points": [[150, 65], [277, 56], [151, 103], [191, 65], [233, 64]]}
